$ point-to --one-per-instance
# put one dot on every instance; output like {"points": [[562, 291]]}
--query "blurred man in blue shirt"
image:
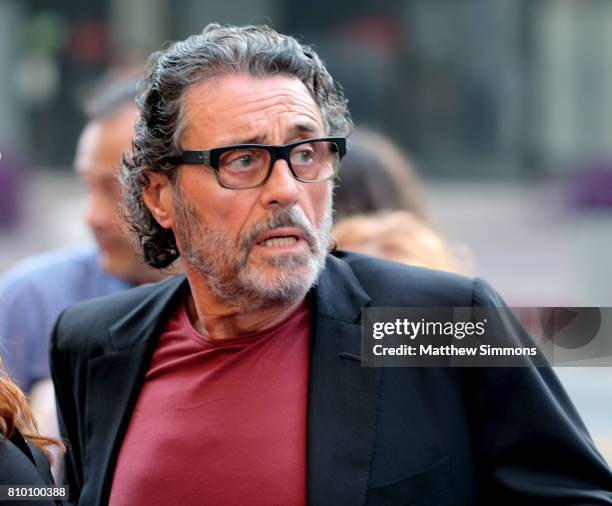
{"points": [[35, 291]]}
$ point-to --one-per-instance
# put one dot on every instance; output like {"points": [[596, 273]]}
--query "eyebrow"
{"points": [[294, 131], [304, 128]]}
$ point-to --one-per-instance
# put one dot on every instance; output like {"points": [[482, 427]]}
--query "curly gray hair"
{"points": [[218, 50]]}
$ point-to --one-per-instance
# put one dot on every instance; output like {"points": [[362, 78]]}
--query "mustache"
{"points": [[292, 217]]}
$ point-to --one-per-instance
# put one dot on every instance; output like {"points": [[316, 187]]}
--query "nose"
{"points": [[281, 189]]}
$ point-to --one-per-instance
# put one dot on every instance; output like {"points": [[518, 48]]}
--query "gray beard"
{"points": [[212, 254]]}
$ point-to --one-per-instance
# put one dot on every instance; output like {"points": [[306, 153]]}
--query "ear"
{"points": [[157, 197]]}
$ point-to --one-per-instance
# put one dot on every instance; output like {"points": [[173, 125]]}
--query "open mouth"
{"points": [[279, 242]]}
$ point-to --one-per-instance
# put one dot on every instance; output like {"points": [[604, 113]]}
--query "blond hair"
{"points": [[399, 236]]}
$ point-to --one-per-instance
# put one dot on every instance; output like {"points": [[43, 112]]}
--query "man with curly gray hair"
{"points": [[241, 382]]}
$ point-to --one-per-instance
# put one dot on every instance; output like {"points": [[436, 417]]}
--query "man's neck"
{"points": [[217, 320]]}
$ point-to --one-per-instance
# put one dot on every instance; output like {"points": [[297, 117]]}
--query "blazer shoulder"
{"points": [[94, 317], [17, 466], [392, 283]]}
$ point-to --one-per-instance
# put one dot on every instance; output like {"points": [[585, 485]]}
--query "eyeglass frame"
{"points": [[211, 158]]}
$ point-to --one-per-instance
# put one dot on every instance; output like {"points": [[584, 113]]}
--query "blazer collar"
{"points": [[144, 320], [338, 293]]}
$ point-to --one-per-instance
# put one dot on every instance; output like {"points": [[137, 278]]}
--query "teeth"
{"points": [[279, 242]]}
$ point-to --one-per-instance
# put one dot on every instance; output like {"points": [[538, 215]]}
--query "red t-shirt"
{"points": [[219, 422]]}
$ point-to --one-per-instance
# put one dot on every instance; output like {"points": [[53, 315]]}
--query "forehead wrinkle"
{"points": [[283, 101], [207, 92], [243, 113], [257, 129], [266, 98]]}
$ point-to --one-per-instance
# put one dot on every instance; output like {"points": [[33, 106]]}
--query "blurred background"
{"points": [[505, 108]]}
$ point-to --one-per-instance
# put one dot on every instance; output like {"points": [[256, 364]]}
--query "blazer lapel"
{"points": [[342, 403], [114, 381]]}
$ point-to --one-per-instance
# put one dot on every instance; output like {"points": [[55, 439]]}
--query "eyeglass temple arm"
{"points": [[191, 157]]}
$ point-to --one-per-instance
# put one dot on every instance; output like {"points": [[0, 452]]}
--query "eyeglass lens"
{"points": [[310, 162]]}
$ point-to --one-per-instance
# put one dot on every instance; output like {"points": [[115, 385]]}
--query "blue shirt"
{"points": [[33, 294]]}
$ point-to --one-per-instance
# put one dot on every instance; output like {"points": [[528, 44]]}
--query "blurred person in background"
{"points": [[35, 291], [377, 176], [24, 453], [380, 207], [242, 382], [398, 236]]}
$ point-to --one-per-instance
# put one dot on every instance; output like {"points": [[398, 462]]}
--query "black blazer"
{"points": [[21, 463], [427, 436]]}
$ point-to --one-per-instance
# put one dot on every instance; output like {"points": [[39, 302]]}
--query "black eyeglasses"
{"points": [[245, 166]]}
